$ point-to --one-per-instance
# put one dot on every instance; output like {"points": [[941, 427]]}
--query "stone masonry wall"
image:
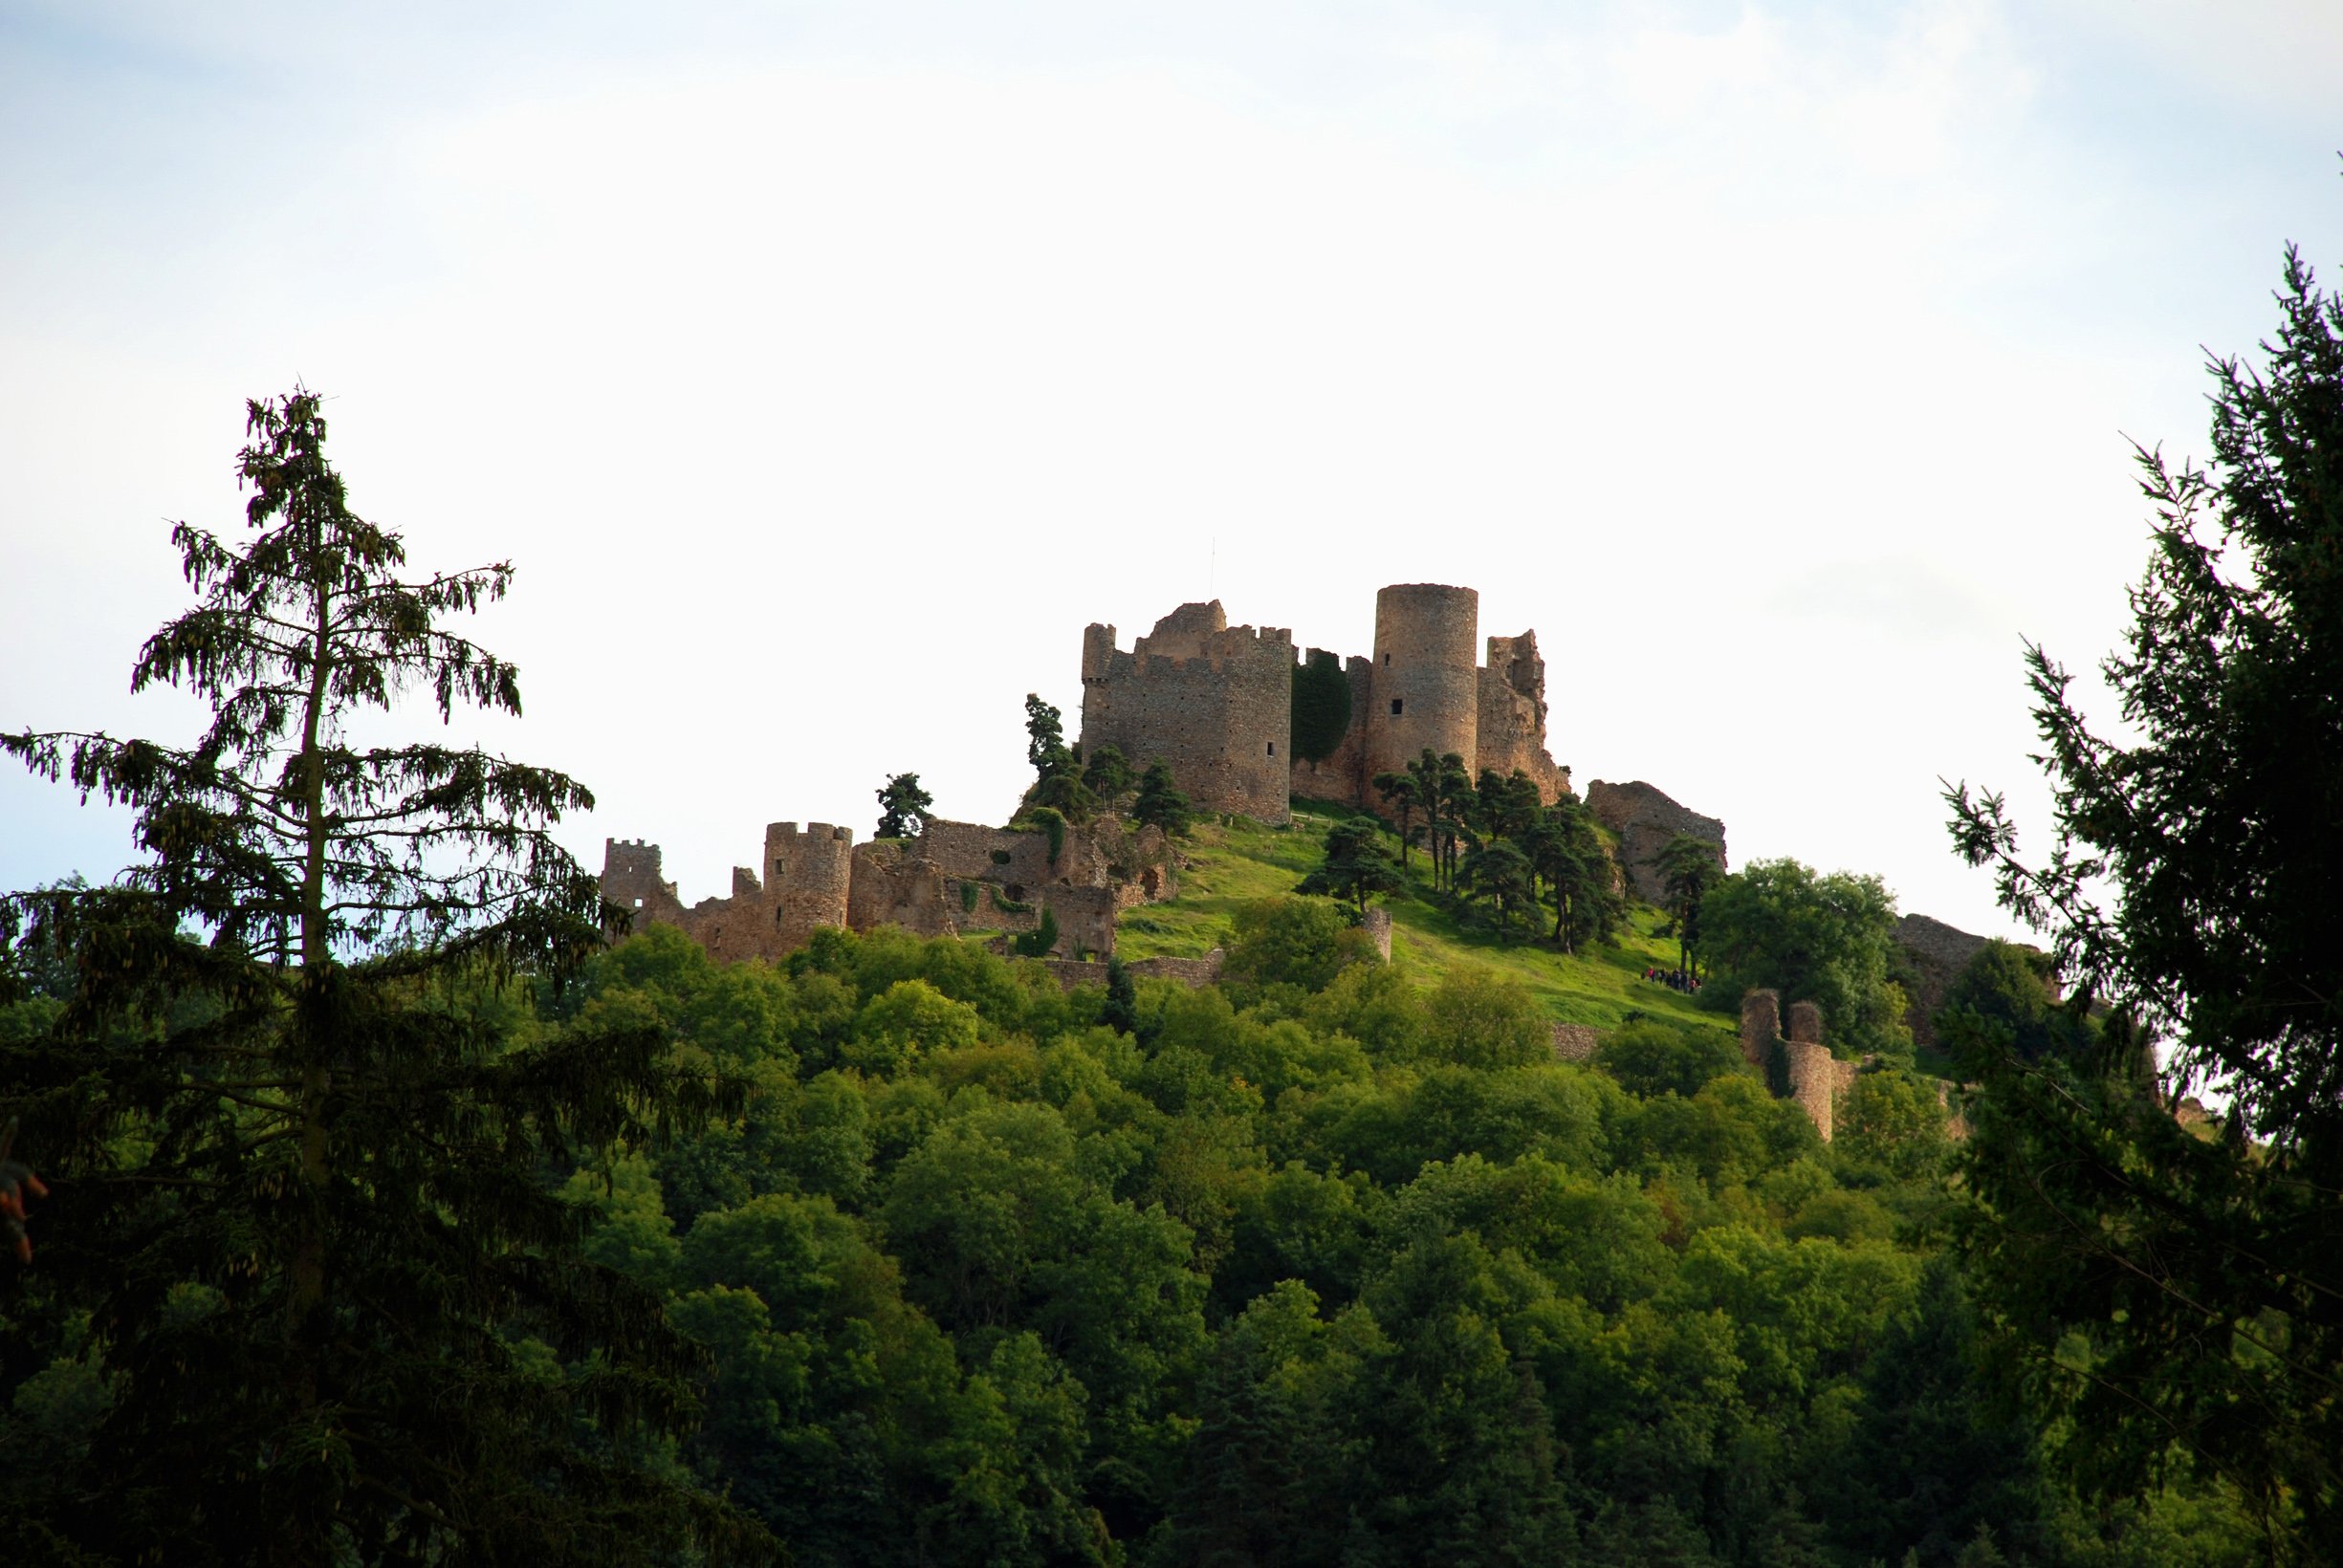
{"points": [[1937, 953], [1213, 703], [1760, 1024], [630, 879], [945, 883], [1645, 820], [1814, 1083], [1192, 972]]}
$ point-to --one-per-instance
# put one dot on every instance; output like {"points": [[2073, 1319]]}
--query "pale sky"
{"points": [[825, 368]]}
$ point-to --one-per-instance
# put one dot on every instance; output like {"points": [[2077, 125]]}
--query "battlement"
{"points": [[631, 858], [1193, 638], [788, 831], [1210, 701]]}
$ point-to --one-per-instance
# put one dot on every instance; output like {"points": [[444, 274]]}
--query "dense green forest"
{"points": [[371, 1200]]}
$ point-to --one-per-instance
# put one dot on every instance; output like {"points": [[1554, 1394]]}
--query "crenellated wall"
{"points": [[1213, 703]]}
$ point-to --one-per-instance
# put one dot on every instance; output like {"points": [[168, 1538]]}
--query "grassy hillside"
{"points": [[1228, 865]]}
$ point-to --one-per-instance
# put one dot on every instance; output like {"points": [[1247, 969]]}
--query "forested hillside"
{"points": [[1317, 1267]]}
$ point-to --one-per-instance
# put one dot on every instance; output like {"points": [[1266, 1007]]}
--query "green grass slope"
{"points": [[1241, 860]]}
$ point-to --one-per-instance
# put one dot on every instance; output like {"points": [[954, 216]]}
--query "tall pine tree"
{"points": [[2191, 887], [298, 1152]]}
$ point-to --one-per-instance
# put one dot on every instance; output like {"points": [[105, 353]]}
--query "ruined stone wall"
{"points": [[945, 883], [961, 849], [1805, 1023], [1760, 1024], [730, 928], [1426, 683], [1645, 820], [893, 884], [630, 879], [1814, 1083], [1213, 703], [1192, 972], [1377, 923], [1085, 918], [1936, 953], [1509, 731]]}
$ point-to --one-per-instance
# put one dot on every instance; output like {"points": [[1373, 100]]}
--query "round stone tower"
{"points": [[807, 876], [1425, 679]]}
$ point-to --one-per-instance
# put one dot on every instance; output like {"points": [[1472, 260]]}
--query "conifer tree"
{"points": [[1688, 867], [2190, 888], [1403, 793], [296, 1156], [903, 807], [1357, 867], [1160, 803]]}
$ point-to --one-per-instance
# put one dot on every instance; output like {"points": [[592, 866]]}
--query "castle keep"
{"points": [[1215, 702]]}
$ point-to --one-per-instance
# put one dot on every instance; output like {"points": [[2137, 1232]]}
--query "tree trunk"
{"points": [[308, 1293]]}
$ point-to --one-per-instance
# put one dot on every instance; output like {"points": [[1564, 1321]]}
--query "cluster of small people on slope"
{"points": [[1673, 979]]}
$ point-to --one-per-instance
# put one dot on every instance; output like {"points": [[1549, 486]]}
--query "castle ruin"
{"points": [[954, 880], [1644, 821], [1215, 703], [1799, 1067]]}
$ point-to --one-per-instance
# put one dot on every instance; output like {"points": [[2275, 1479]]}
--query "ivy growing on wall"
{"points": [[1322, 707], [1052, 821]]}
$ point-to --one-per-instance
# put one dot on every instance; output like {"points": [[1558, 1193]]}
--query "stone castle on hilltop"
{"points": [[1215, 702]]}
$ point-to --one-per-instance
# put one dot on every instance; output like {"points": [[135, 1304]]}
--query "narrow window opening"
{"points": [[777, 868], [1273, 748], [1394, 707], [1387, 661], [777, 917], [637, 904]]}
